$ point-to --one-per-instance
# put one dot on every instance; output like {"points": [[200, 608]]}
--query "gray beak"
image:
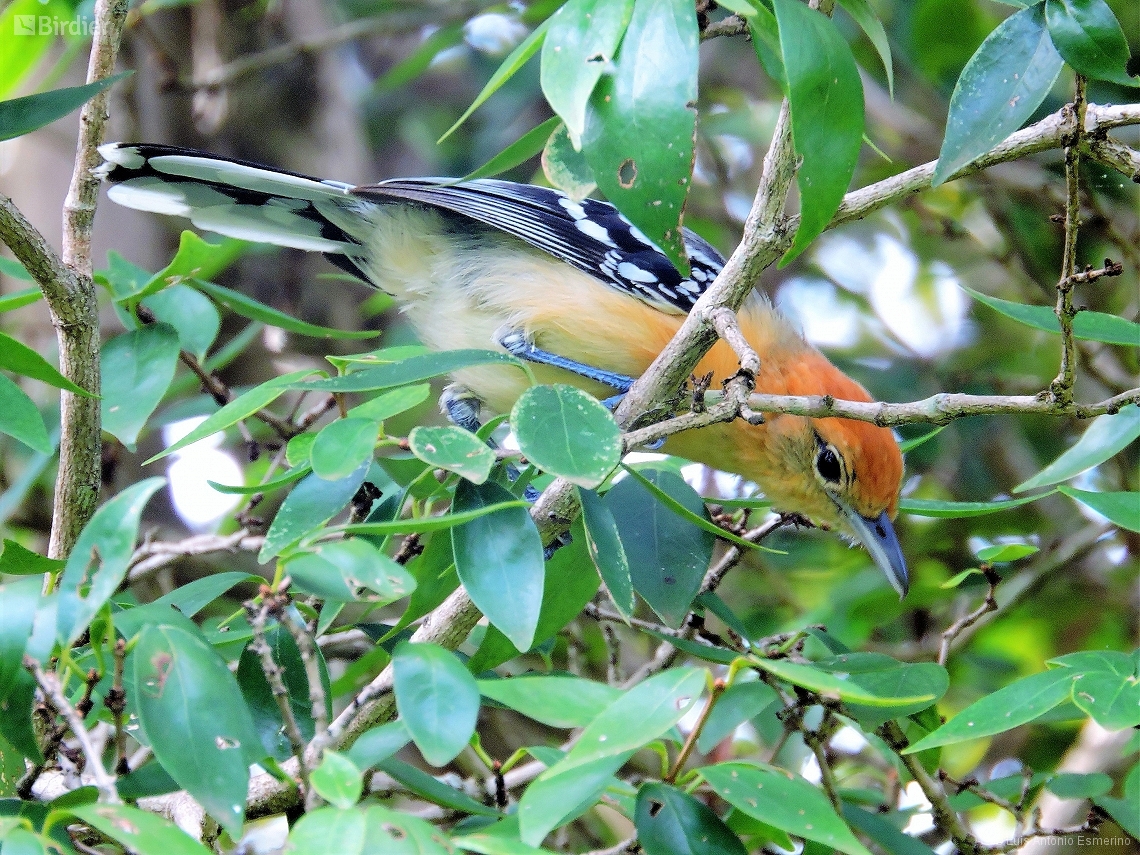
{"points": [[878, 536]]}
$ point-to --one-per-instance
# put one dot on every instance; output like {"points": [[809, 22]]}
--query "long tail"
{"points": [[239, 199]]}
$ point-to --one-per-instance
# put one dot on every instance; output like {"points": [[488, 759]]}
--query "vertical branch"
{"points": [[1062, 386], [73, 307]]}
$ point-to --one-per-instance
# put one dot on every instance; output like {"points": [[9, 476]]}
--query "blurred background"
{"points": [[360, 91]]}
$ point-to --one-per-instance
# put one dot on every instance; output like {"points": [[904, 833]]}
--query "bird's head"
{"points": [[840, 474]]}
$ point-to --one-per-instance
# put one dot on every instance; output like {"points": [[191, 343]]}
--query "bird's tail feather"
{"points": [[237, 199]]}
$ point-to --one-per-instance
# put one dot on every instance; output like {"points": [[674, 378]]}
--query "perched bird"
{"points": [[572, 286]]}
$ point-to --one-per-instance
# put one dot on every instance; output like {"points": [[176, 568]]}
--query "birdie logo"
{"points": [[51, 25]]}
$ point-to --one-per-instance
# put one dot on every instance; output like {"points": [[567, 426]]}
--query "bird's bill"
{"points": [[878, 536]]}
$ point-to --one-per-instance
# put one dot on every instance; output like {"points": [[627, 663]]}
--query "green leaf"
{"points": [[869, 22], [1009, 707], [765, 32], [17, 560], [671, 822], [607, 552], [782, 800], [911, 444], [21, 359], [557, 700], [640, 715], [515, 60], [265, 487], [98, 561], [1113, 701], [668, 555], [425, 524], [581, 41], [412, 66], [1104, 438], [313, 832], [20, 116], [740, 702], [559, 795], [963, 510], [1003, 553], [638, 136], [883, 832], [310, 504], [196, 258], [342, 446], [247, 307], [826, 100], [1091, 326], [137, 830], [1070, 785], [432, 789], [1087, 34], [392, 403], [1110, 661], [337, 780], [415, 369], [337, 570], [498, 838], [1121, 508], [520, 151], [137, 368], [378, 744], [886, 677], [190, 313], [565, 592], [21, 44], [452, 448], [437, 699], [20, 419], [842, 685], [258, 695], [18, 603], [18, 299], [176, 675], [499, 560], [565, 168], [567, 432], [1001, 86], [241, 407], [1125, 812]]}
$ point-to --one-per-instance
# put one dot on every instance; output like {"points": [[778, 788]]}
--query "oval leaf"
{"points": [[607, 552], [137, 368], [310, 504], [671, 822], [454, 449], [137, 830], [1087, 34], [567, 432], [558, 700], [499, 560], [337, 780], [342, 446], [784, 801], [176, 675], [437, 699], [338, 570], [1001, 86]]}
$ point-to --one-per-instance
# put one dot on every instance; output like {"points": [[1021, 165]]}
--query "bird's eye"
{"points": [[828, 466]]}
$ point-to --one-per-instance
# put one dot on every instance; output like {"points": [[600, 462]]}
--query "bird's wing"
{"points": [[590, 235]]}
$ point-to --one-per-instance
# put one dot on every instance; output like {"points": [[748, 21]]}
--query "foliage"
{"points": [[686, 714]]}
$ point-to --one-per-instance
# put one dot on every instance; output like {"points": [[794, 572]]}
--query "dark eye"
{"points": [[827, 465]]}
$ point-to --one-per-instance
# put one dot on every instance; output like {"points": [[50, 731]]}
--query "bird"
{"points": [[571, 285]]}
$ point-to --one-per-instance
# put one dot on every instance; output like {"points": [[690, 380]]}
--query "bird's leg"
{"points": [[516, 343]]}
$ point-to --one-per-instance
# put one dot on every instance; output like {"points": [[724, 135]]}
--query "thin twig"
{"points": [[1062, 386], [258, 614], [694, 734], [989, 604], [53, 692]]}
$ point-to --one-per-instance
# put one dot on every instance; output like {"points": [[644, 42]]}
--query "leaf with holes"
{"points": [[454, 449], [639, 135], [671, 822], [581, 41], [567, 432], [177, 674]]}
